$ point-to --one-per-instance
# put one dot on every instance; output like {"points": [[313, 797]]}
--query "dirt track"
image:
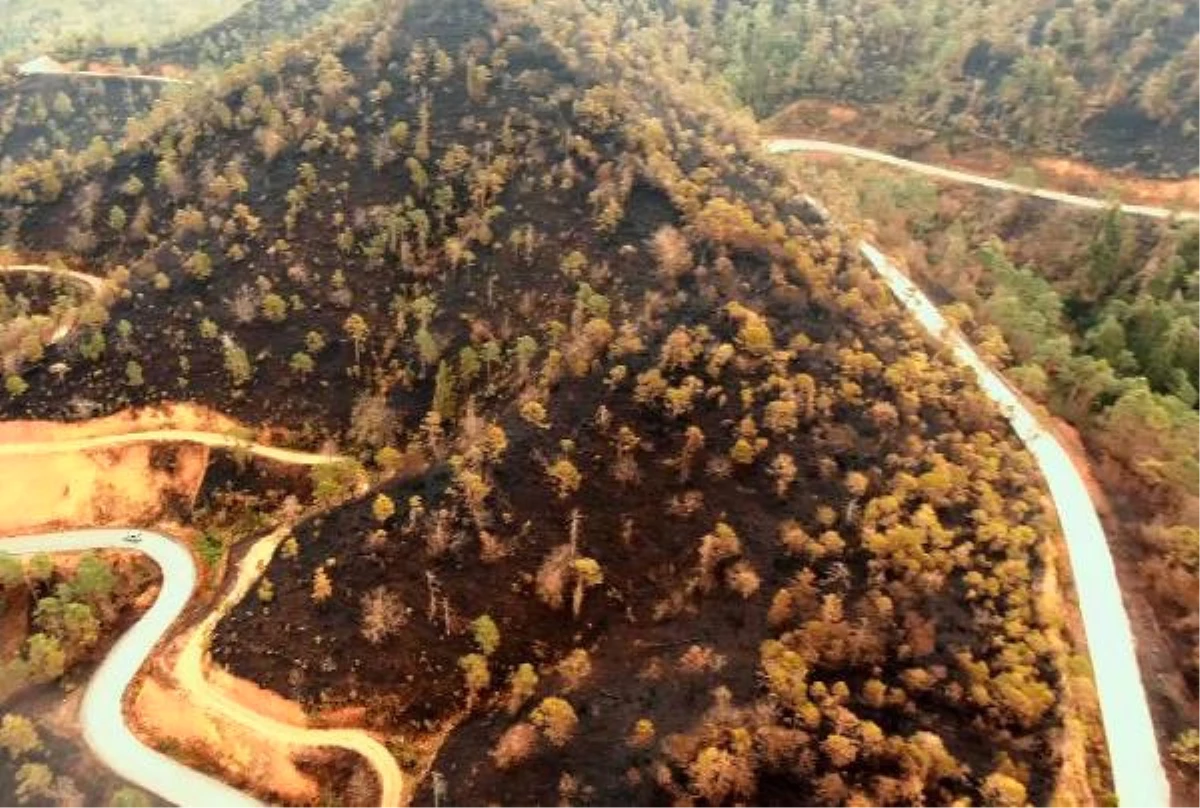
{"points": [[785, 145], [94, 284], [189, 674], [210, 439], [91, 281], [128, 656]]}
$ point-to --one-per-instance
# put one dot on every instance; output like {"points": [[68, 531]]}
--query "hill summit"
{"points": [[704, 519]]}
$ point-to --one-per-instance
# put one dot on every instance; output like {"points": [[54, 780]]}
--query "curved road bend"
{"points": [[106, 690], [103, 721], [94, 284], [782, 145], [1137, 770], [1138, 774], [189, 671]]}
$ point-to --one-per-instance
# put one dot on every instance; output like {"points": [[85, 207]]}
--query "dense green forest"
{"points": [[1117, 80]]}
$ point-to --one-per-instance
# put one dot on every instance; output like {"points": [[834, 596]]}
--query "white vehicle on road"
{"points": [[101, 715]]}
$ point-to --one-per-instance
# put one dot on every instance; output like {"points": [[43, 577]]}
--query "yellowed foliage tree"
{"points": [[564, 476], [322, 586], [383, 508], [587, 574], [557, 720], [521, 686], [728, 222], [720, 776]]}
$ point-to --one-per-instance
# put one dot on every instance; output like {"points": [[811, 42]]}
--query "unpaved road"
{"points": [[784, 145], [1138, 774], [212, 439], [94, 284], [103, 721], [189, 671], [94, 74]]}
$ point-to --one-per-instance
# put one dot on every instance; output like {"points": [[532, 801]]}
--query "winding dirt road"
{"points": [[95, 285], [1137, 770], [214, 440], [104, 727], [95, 74], [189, 670], [783, 145], [105, 730], [92, 282]]}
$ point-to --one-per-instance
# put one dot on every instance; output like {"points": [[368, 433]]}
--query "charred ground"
{"points": [[44, 113], [736, 534]]}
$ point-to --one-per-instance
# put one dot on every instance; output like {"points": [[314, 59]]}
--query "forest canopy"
{"points": [[1116, 78]]}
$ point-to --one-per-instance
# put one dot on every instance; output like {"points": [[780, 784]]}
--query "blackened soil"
{"points": [[39, 114]]}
